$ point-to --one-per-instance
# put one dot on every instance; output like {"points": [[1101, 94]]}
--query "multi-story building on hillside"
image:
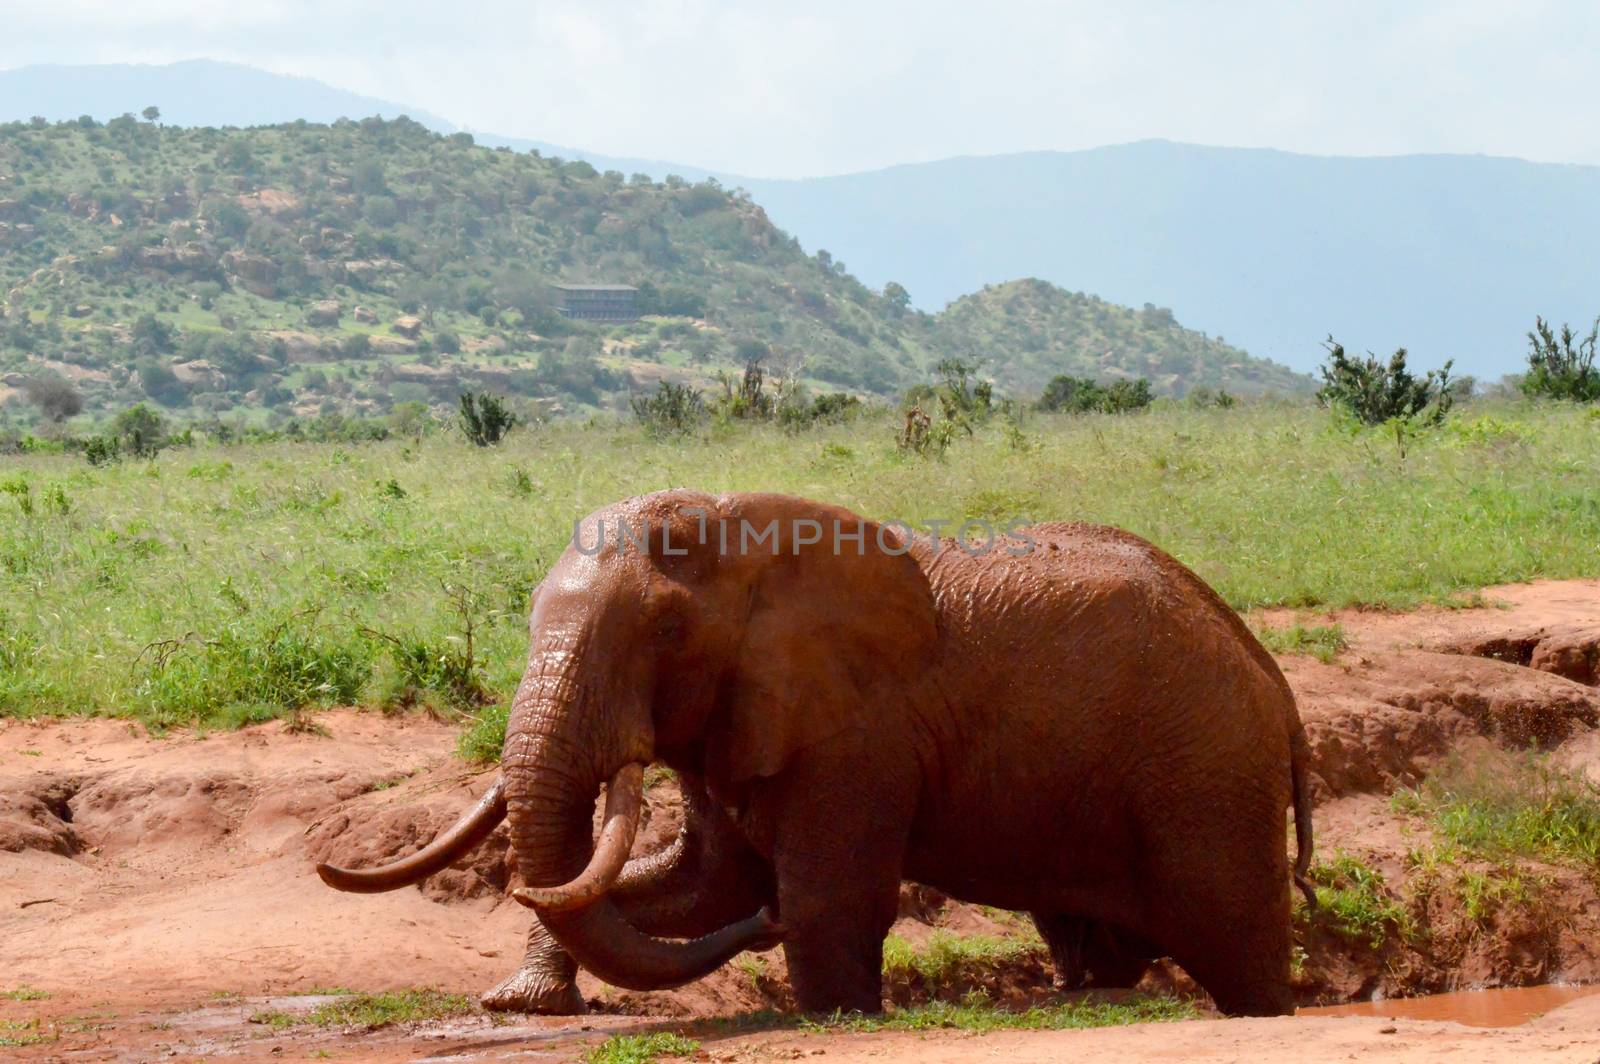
{"points": [[597, 302]]}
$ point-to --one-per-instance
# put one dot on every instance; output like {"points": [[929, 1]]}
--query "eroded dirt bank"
{"points": [[160, 890]]}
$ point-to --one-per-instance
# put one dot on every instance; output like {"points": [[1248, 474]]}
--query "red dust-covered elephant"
{"points": [[1062, 720]]}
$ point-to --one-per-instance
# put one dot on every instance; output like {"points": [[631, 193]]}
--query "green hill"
{"points": [[311, 268], [1024, 332]]}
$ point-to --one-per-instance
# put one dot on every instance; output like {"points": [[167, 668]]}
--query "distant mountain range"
{"points": [[1450, 256]]}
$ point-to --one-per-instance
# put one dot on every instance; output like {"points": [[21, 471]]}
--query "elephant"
{"points": [[1063, 721]]}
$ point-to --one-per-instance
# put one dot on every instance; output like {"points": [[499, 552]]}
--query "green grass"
{"points": [[1323, 642], [372, 1010], [641, 1048], [1501, 804], [948, 961], [1354, 902], [24, 993], [978, 1014], [273, 578], [1485, 892]]}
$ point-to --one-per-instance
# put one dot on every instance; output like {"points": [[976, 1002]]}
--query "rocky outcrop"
{"points": [[408, 325], [254, 273], [323, 313]]}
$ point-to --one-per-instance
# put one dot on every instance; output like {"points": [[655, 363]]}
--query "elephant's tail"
{"points": [[439, 854], [1299, 772]]}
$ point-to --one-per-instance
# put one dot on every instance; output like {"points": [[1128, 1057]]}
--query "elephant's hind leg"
{"points": [[1088, 952]]}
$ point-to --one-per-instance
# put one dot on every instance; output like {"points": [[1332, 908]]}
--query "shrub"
{"points": [[484, 418], [1124, 397], [1376, 393], [140, 431], [54, 395], [1203, 398], [1070, 395], [1559, 368], [747, 398], [1080, 395], [670, 410]]}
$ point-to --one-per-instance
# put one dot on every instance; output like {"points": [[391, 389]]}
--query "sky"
{"points": [[797, 89]]}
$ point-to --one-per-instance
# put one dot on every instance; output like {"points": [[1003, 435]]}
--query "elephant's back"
{"points": [[1078, 632]]}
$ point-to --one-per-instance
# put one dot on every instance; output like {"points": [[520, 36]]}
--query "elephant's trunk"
{"points": [[560, 744], [623, 796]]}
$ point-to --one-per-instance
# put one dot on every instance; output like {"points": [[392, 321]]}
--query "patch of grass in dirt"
{"points": [[948, 960], [1485, 892], [277, 1019], [1482, 891], [1517, 804], [395, 1006], [15, 1034], [1323, 642], [641, 1048], [371, 1010], [25, 993], [977, 1013], [1354, 902]]}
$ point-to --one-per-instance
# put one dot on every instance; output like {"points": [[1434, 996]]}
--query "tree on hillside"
{"points": [[899, 299], [151, 114]]}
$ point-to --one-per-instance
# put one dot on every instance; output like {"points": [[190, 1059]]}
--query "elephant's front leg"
{"points": [[545, 982], [840, 829], [707, 878]]}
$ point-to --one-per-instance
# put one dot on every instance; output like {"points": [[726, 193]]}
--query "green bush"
{"points": [[1080, 395], [1376, 393], [671, 410], [140, 431], [1559, 368], [485, 420]]}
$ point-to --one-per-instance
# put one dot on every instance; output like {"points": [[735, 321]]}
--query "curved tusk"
{"points": [[623, 797], [434, 857]]}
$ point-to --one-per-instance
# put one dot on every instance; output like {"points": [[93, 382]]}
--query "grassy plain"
{"points": [[218, 585]]}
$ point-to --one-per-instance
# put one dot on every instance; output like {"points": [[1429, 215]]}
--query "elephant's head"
{"points": [[722, 635]]}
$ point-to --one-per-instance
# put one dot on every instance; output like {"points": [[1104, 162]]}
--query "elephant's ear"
{"points": [[840, 631]]}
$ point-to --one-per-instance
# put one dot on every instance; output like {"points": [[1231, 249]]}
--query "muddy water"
{"points": [[1475, 1008]]}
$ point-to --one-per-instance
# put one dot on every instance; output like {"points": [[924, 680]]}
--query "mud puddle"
{"points": [[1504, 1007]]}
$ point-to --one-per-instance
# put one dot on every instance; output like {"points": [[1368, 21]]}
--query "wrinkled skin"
{"points": [[1084, 732]]}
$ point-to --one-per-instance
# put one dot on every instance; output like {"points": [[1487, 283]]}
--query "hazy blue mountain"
{"points": [[1450, 256]]}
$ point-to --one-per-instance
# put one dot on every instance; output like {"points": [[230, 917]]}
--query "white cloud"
{"points": [[765, 88]]}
